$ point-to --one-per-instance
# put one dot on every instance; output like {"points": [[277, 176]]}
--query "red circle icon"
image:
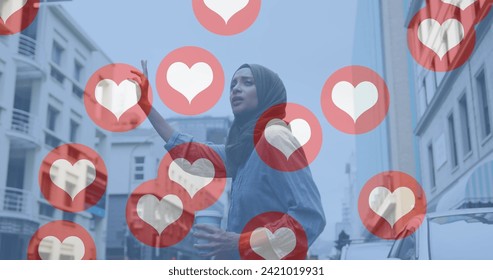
{"points": [[224, 17], [289, 143], [443, 41], [355, 100], [190, 80], [17, 15], [197, 169], [273, 236], [159, 216], [114, 101], [61, 240], [73, 177], [392, 205]]}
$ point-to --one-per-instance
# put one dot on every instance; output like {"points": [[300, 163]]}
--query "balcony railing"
{"points": [[22, 121], [16, 200], [27, 46]]}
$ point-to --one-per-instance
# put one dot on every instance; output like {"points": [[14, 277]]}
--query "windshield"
{"points": [[461, 237]]}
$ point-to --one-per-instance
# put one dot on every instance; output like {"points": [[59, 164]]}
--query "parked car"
{"points": [[464, 234], [360, 250]]}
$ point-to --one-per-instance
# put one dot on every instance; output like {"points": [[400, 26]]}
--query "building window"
{"points": [[46, 210], [52, 118], [139, 168], [431, 161], [74, 131], [57, 75], [57, 53], [78, 70], [464, 121], [484, 109], [453, 141]]}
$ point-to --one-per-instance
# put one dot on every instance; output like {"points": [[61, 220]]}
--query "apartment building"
{"points": [[43, 71], [454, 124]]}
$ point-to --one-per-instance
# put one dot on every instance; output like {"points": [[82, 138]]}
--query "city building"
{"points": [[454, 120], [380, 44], [137, 155], [43, 72]]}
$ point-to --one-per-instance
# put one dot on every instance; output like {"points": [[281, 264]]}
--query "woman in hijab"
{"points": [[256, 188]]}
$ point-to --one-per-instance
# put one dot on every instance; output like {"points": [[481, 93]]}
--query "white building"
{"points": [[136, 156], [454, 126], [43, 72]]}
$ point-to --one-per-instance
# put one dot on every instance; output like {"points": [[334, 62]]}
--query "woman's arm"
{"points": [[162, 127]]}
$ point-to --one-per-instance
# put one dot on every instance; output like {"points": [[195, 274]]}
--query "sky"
{"points": [[303, 41]]}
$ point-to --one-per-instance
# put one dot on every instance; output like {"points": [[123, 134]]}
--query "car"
{"points": [[361, 250], [462, 234]]}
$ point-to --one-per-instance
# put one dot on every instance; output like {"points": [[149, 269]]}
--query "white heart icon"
{"points": [[462, 4], [192, 177], [277, 134], [9, 7], [400, 202], [355, 101], [159, 213], [226, 8], [281, 243], [117, 98], [72, 178], [190, 82], [50, 248], [433, 35]]}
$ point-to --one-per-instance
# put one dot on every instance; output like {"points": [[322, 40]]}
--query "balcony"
{"points": [[27, 46], [17, 202], [21, 122], [22, 129]]}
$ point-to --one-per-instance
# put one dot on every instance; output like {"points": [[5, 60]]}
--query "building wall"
{"points": [[436, 103], [24, 71]]}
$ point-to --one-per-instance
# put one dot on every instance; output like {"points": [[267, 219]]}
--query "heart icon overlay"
{"points": [[192, 177], [72, 178], [392, 205], [159, 213], [196, 171], [288, 138], [226, 9], [289, 141], [190, 81], [273, 236], [51, 248], [441, 38], [9, 7], [61, 240], [402, 201], [355, 101], [117, 98], [280, 243]]}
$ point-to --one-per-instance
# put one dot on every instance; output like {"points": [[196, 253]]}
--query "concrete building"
{"points": [[380, 44], [137, 155], [43, 71], [454, 128]]}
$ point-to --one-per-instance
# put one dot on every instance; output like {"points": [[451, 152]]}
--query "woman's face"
{"points": [[243, 94]]}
